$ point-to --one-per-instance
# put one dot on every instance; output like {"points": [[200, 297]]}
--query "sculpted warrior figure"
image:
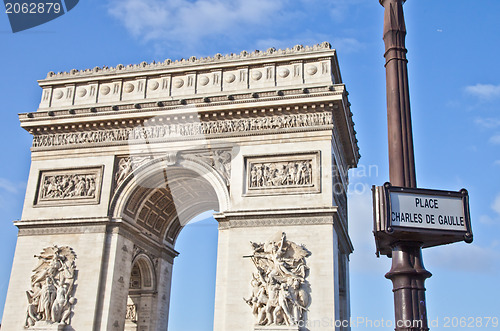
{"points": [[52, 284], [59, 302], [33, 301], [278, 292], [47, 297]]}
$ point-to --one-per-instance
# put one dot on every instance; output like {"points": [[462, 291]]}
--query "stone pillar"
{"points": [[318, 232], [161, 304], [114, 283]]}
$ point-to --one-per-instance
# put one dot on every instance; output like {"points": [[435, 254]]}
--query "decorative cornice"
{"points": [[217, 58], [248, 223], [62, 229], [275, 213]]}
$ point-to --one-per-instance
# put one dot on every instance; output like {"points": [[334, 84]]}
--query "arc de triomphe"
{"points": [[124, 157]]}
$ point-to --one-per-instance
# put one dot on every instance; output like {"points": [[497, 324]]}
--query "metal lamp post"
{"points": [[407, 272]]}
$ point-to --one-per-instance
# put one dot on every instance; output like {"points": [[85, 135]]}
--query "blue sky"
{"points": [[455, 99]]}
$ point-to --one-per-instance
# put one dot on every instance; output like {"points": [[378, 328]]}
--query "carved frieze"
{"points": [[69, 186], [282, 174], [280, 290], [51, 296], [161, 132]]}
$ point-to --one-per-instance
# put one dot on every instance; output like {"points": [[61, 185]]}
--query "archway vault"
{"points": [[162, 196]]}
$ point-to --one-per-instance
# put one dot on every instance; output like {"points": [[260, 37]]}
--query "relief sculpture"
{"points": [[280, 294], [131, 314], [51, 297], [68, 186], [296, 173], [126, 165], [220, 160]]}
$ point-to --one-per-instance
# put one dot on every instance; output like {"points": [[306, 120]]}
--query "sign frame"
{"points": [[387, 234]]}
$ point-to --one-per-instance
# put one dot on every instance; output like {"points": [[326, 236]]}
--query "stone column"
{"points": [[161, 304], [318, 233], [114, 280]]}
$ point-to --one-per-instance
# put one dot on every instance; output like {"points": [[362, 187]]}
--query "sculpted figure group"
{"points": [[68, 186], [281, 174], [50, 298], [279, 287]]}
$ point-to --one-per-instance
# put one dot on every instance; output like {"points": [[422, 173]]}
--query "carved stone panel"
{"points": [[69, 187], [51, 296], [280, 294], [283, 174]]}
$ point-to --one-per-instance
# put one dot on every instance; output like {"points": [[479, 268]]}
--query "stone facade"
{"points": [[124, 157]]}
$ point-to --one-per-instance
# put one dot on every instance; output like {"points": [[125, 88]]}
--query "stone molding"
{"points": [[257, 222], [95, 225], [45, 230], [283, 94]]}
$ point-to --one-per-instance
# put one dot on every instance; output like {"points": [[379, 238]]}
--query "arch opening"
{"points": [[159, 202], [193, 293]]}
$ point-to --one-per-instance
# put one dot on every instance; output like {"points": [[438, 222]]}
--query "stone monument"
{"points": [[124, 157]]}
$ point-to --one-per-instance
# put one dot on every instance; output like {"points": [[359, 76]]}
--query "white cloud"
{"points": [[463, 257], [189, 21], [9, 187], [347, 45], [340, 8], [497, 163], [9, 193], [496, 204], [495, 140], [488, 123], [484, 91], [485, 219], [189, 25]]}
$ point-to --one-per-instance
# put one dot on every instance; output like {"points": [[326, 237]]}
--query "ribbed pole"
{"points": [[407, 273]]}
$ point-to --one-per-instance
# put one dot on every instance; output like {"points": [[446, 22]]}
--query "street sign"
{"points": [[432, 217]]}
